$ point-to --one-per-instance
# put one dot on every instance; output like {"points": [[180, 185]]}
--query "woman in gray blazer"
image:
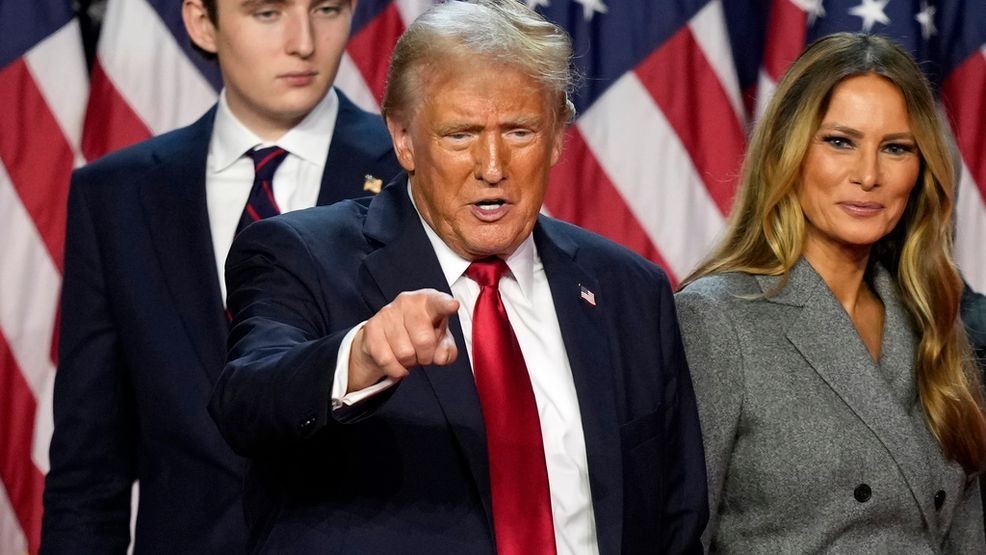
{"points": [[838, 405]]}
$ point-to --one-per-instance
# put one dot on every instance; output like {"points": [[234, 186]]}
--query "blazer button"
{"points": [[862, 493], [939, 499]]}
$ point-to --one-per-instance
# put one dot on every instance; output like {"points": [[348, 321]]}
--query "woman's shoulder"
{"points": [[725, 287]]}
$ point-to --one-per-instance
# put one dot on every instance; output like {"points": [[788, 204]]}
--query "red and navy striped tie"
{"points": [[261, 203]]}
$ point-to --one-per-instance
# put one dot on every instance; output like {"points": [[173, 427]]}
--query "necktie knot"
{"points": [[261, 202], [266, 161], [487, 271]]}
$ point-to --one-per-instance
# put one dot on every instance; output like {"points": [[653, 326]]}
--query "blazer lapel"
{"points": [[826, 338], [178, 221], [405, 262], [586, 341]]}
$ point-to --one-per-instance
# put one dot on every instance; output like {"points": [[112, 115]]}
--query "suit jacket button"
{"points": [[308, 423], [862, 493], [939, 499]]}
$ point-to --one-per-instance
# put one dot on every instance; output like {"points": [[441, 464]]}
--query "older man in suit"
{"points": [[440, 369], [143, 322]]}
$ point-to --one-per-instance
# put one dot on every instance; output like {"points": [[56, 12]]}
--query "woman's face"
{"points": [[860, 167]]}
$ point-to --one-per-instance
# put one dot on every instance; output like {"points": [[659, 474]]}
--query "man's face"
{"points": [[278, 57], [479, 145]]}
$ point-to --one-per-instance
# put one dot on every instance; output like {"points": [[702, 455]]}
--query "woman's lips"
{"points": [[861, 208]]}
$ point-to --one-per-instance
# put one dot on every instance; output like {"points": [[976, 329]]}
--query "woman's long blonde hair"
{"points": [[766, 229]]}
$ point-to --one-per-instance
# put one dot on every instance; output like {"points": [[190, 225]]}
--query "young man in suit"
{"points": [[143, 324], [443, 370]]}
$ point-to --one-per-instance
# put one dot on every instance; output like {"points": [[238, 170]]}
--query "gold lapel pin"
{"points": [[372, 184]]}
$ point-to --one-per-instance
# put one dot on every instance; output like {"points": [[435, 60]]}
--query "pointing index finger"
{"points": [[440, 306]]}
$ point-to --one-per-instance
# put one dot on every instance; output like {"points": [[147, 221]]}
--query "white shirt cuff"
{"points": [[340, 381]]}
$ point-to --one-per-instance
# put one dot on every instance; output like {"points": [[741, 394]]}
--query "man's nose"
{"points": [[490, 158], [300, 39]]}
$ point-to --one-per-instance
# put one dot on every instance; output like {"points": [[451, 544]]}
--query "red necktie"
{"points": [[518, 475], [261, 203]]}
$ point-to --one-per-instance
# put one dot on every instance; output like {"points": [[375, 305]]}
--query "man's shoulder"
{"points": [[596, 251], [147, 155], [332, 224], [342, 213], [366, 127]]}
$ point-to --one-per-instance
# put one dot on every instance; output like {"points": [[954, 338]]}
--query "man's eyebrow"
{"points": [[524, 121], [458, 127], [254, 4]]}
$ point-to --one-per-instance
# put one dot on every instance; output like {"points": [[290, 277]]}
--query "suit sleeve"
{"points": [[93, 450], [686, 511], [275, 390], [716, 364]]}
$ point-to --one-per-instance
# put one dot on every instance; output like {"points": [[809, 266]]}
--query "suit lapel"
{"points": [[826, 338], [358, 144], [174, 204], [586, 341], [406, 262]]}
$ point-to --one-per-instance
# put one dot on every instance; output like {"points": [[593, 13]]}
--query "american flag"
{"points": [[669, 91]]}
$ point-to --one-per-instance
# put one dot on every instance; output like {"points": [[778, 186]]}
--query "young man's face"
{"points": [[278, 57]]}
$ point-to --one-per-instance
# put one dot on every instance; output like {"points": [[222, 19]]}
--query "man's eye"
{"points": [[328, 10], [265, 15]]}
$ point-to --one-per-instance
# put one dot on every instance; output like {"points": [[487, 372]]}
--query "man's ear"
{"points": [[401, 138], [198, 25], [558, 142]]}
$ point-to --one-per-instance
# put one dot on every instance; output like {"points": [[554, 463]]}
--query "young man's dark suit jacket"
{"points": [[143, 339], [408, 473]]}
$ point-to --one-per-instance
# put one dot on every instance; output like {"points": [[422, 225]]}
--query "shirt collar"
{"points": [[521, 261], [309, 140]]}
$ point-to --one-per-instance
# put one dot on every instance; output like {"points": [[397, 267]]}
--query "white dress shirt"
{"points": [[229, 171], [531, 311]]}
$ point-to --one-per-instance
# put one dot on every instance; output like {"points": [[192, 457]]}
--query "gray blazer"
{"points": [[810, 446]]}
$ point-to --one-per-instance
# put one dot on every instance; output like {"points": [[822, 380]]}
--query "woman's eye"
{"points": [[837, 141], [899, 148]]}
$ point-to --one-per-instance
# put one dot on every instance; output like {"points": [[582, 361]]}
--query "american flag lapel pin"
{"points": [[372, 184], [587, 296]]}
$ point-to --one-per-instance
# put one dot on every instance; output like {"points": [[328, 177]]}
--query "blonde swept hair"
{"points": [[765, 233], [505, 31]]}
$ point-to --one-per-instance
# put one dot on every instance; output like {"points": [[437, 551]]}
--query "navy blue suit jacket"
{"points": [[408, 472], [143, 334]]}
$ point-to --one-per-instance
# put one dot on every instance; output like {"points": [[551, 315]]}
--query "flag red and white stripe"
{"points": [[42, 102]]}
